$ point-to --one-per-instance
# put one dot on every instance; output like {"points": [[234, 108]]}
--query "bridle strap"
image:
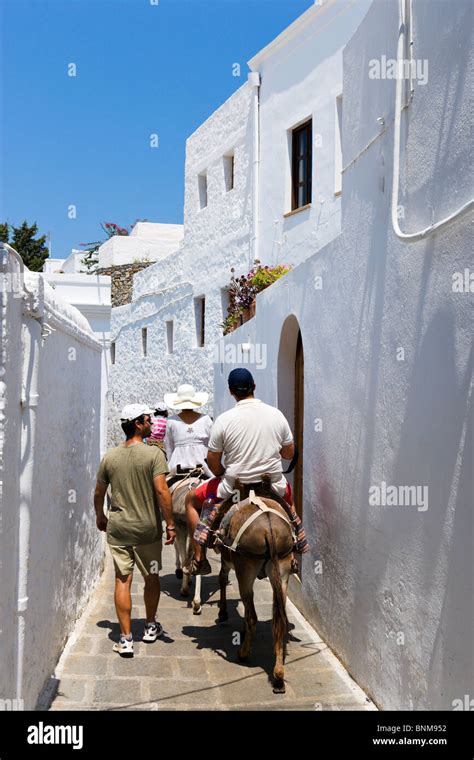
{"points": [[293, 462]]}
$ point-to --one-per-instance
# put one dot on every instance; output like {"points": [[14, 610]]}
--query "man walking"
{"points": [[136, 474]]}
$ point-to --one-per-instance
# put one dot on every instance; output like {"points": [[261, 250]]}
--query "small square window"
{"points": [[229, 171], [169, 337]]}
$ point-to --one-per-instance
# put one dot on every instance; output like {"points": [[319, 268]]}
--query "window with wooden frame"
{"points": [[338, 148], [301, 165]]}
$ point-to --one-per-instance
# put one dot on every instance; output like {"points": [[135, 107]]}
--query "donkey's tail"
{"points": [[279, 619]]}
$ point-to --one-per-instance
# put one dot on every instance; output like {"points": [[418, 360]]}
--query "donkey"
{"points": [[179, 489], [268, 541]]}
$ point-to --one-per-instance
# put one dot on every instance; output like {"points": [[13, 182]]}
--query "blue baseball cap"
{"points": [[240, 379]]}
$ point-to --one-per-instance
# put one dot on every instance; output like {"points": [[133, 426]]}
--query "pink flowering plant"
{"points": [[91, 261], [243, 290]]}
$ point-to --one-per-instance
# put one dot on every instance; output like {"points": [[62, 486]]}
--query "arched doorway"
{"points": [[291, 396]]}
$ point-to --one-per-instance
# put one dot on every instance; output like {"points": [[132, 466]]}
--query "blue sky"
{"points": [[141, 69]]}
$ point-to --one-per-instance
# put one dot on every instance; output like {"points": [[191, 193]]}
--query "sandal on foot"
{"points": [[295, 568]]}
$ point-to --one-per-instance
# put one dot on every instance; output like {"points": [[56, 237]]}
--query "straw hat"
{"points": [[185, 398]]}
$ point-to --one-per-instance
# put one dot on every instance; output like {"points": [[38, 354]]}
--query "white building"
{"points": [[301, 87], [365, 345], [368, 351], [165, 336], [73, 264], [148, 241], [50, 549], [180, 302]]}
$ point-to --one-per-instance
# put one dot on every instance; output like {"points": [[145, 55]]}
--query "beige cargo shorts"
{"points": [[146, 557]]}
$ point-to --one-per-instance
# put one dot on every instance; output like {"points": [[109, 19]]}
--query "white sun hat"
{"points": [[185, 398], [132, 411]]}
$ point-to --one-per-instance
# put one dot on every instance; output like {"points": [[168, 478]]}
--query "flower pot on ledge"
{"points": [[230, 329], [250, 312]]}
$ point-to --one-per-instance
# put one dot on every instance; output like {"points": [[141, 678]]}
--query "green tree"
{"points": [[3, 232], [33, 251]]}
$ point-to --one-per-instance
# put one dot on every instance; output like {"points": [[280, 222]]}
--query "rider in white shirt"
{"points": [[187, 434], [253, 437]]}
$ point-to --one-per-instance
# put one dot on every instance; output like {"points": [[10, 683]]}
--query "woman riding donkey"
{"points": [[186, 440], [187, 433], [253, 437]]}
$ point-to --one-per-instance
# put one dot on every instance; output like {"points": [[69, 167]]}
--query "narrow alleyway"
{"points": [[194, 665]]}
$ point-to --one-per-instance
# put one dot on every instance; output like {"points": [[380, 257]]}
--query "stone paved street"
{"points": [[194, 665]]}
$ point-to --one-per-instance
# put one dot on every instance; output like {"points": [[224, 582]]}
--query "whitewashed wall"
{"points": [[301, 77], [10, 431], [90, 294], [51, 552], [53, 265], [395, 596], [73, 264], [215, 239], [146, 242]]}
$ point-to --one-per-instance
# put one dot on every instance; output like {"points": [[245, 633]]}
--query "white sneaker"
{"points": [[124, 646], [152, 632]]}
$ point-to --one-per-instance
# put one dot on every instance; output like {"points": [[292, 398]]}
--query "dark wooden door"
{"points": [[298, 424]]}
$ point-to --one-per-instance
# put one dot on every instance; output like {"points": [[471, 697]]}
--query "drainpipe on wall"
{"points": [[254, 81], [32, 330], [405, 8]]}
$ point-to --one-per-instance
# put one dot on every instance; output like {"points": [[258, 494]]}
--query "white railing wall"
{"points": [[50, 551]]}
